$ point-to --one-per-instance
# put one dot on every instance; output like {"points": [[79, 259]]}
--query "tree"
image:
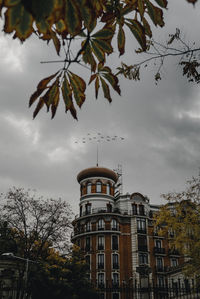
{"points": [[36, 223], [180, 218], [62, 277], [157, 53], [84, 32], [37, 232]]}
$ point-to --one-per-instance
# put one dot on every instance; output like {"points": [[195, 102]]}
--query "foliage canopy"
{"points": [[84, 30], [36, 224], [180, 218]]}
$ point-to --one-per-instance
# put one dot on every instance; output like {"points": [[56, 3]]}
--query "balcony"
{"points": [[100, 265], [159, 250], [142, 248], [107, 227], [115, 246], [101, 285], [101, 227], [113, 211], [173, 252], [115, 284], [141, 230], [100, 247], [161, 268], [115, 266]]}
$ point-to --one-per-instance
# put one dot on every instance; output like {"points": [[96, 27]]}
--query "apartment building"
{"points": [[116, 233]]}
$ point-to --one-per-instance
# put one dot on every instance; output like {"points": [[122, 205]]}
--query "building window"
{"points": [[81, 209], [115, 261], [134, 209], [161, 281], [109, 208], [115, 280], [143, 259], [141, 210], [159, 263], [141, 225], [87, 244], [100, 242], [100, 261], [101, 224], [142, 243], [115, 243], [98, 187], [88, 226], [158, 243], [108, 189], [115, 296], [174, 262], [89, 188], [100, 279], [88, 208], [114, 224], [87, 259]]}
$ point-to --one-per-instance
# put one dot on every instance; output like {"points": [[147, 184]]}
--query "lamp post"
{"points": [[11, 255]]}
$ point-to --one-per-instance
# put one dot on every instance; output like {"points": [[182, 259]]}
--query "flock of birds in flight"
{"points": [[98, 137]]}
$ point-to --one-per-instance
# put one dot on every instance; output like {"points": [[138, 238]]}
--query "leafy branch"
{"points": [[158, 52]]}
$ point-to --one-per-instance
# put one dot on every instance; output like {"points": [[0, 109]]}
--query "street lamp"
{"points": [[11, 255]]}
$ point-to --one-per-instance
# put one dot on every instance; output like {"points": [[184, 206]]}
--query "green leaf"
{"points": [[88, 57], [12, 17], [96, 87], [106, 90], [78, 85], [67, 97], [56, 98], [121, 40], [52, 93], [72, 17], [56, 42], [113, 80], [105, 33], [138, 31], [104, 45], [42, 85], [38, 107], [87, 14], [162, 3], [141, 7], [39, 9], [155, 13], [43, 26], [24, 28], [99, 53], [147, 27]]}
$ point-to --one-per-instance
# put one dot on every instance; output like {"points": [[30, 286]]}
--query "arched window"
{"points": [[98, 187], [89, 188], [108, 189]]}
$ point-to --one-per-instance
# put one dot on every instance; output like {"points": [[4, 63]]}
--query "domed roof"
{"points": [[97, 172]]}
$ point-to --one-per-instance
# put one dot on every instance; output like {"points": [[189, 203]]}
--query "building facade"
{"points": [[116, 233]]}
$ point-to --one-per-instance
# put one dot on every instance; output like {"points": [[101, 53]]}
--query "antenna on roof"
{"points": [[97, 155], [97, 138]]}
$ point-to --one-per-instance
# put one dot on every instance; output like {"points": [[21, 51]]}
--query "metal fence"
{"points": [[171, 290]]}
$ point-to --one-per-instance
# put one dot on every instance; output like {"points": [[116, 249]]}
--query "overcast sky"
{"points": [[160, 124]]}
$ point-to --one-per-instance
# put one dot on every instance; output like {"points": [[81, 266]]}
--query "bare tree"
{"points": [[36, 223]]}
